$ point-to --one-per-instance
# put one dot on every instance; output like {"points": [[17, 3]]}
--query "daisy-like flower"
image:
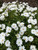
{"points": [[6, 14], [27, 8], [30, 17], [3, 26], [36, 33], [2, 34], [23, 28], [22, 48], [33, 31], [34, 21], [8, 29], [21, 24], [7, 43], [18, 35], [8, 49], [20, 7], [7, 34], [33, 47], [25, 38], [25, 14], [18, 22], [29, 26], [2, 40], [14, 26], [30, 20], [2, 17], [4, 5], [21, 32], [30, 38], [19, 42]]}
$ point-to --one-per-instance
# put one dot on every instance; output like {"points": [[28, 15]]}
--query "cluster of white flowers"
{"points": [[2, 38], [30, 38], [7, 44], [23, 9], [32, 21], [29, 12]]}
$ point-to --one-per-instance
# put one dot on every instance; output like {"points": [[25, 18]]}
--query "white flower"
{"points": [[29, 26], [0, 26], [20, 9], [31, 38], [7, 34], [23, 28], [33, 47], [14, 2], [1, 9], [3, 26], [8, 29], [36, 33], [19, 42], [2, 17], [25, 14], [30, 17], [14, 26], [6, 14], [8, 49], [25, 3], [35, 8], [18, 35], [21, 24], [30, 20], [29, 13], [2, 34], [33, 31], [12, 7], [21, 32], [22, 48], [32, 14], [4, 5], [25, 38], [27, 8], [2, 40], [7, 43], [18, 22], [34, 21]]}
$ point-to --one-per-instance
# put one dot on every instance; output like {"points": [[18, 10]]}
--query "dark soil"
{"points": [[33, 3]]}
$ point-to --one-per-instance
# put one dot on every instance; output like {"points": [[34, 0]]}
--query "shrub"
{"points": [[18, 26]]}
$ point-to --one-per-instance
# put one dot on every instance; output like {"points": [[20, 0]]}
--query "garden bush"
{"points": [[18, 26]]}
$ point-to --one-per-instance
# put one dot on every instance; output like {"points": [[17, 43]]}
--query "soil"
{"points": [[33, 3]]}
